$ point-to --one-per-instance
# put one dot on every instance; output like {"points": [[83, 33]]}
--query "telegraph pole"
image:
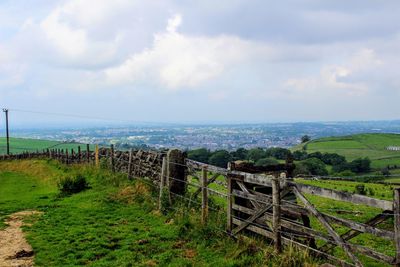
{"points": [[7, 132]]}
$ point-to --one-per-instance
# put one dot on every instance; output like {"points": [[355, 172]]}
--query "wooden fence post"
{"points": [[66, 156], [176, 172], [96, 156], [88, 153], [130, 164], [79, 154], [112, 159], [396, 212], [276, 214], [229, 200], [162, 184], [204, 198], [72, 156]]}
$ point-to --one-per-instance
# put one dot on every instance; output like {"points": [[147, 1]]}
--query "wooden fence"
{"points": [[273, 206], [262, 204]]}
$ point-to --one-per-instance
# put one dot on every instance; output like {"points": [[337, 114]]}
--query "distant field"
{"points": [[360, 145], [19, 145]]}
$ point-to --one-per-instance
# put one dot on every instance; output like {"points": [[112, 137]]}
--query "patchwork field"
{"points": [[19, 145], [360, 145]]}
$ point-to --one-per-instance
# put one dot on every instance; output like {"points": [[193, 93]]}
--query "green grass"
{"points": [[359, 145], [116, 223], [379, 191], [358, 213], [19, 145]]}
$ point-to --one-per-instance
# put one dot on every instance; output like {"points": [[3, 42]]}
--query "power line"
{"points": [[70, 115]]}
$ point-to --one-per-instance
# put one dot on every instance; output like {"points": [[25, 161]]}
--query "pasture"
{"points": [[20, 145], [359, 145]]}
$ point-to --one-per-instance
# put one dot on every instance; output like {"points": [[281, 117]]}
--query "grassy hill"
{"points": [[19, 145], [116, 222], [359, 145]]}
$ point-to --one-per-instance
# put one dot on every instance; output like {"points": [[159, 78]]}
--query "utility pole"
{"points": [[7, 132]]}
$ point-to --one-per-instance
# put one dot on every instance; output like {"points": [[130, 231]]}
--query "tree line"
{"points": [[315, 163]]}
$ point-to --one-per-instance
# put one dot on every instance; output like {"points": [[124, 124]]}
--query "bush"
{"points": [[360, 189], [360, 165], [255, 154], [266, 162], [305, 139], [300, 155], [71, 185], [385, 171], [371, 191], [220, 158], [312, 166], [201, 155], [278, 152]]}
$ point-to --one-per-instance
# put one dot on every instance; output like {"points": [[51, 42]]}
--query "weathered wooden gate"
{"points": [[288, 222]]}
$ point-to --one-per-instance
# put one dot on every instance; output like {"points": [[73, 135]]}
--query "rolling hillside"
{"points": [[19, 145], [373, 146]]}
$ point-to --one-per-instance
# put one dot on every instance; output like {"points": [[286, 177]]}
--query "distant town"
{"points": [[212, 137]]}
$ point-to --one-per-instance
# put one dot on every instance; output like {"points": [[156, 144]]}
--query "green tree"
{"points": [[255, 154], [333, 159], [239, 154], [385, 171], [360, 165], [266, 162], [305, 139], [220, 158], [277, 152], [300, 155], [311, 166], [201, 155]]}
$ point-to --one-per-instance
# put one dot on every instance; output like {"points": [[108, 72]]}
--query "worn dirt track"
{"points": [[14, 249]]}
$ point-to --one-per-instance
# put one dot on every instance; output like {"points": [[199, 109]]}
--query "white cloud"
{"points": [[174, 23], [11, 72], [350, 78], [72, 42], [177, 60], [65, 32]]}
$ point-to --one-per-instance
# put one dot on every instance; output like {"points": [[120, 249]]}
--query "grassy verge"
{"points": [[116, 223]]}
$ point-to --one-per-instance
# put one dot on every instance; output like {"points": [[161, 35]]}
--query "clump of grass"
{"points": [[72, 184], [137, 192]]}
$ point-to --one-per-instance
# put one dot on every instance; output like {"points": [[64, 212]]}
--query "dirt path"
{"points": [[14, 250]]}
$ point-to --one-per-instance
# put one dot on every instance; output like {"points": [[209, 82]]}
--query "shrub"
{"points": [[71, 185], [255, 154], [312, 166], [278, 152], [371, 191], [300, 155], [360, 165], [360, 189], [220, 158], [202, 155], [266, 162], [385, 171], [305, 139]]}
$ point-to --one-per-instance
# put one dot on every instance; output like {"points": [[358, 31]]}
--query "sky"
{"points": [[200, 61]]}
